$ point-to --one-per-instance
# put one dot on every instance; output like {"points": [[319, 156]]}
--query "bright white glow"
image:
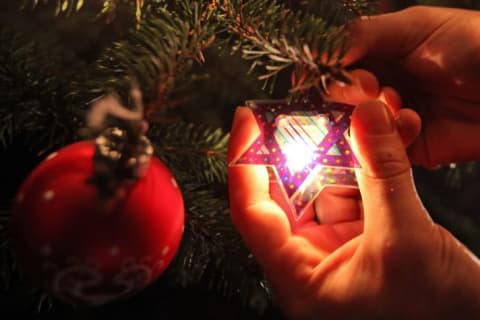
{"points": [[298, 136], [298, 155]]}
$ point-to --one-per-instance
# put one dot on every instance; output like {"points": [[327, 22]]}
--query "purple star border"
{"points": [[331, 162]]}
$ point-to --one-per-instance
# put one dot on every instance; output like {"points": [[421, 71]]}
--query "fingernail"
{"points": [[375, 117]]}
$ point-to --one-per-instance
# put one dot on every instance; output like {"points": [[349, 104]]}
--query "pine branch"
{"points": [[203, 207], [360, 7], [140, 8], [106, 8], [194, 153], [277, 38], [213, 253], [158, 54], [34, 88], [62, 7]]}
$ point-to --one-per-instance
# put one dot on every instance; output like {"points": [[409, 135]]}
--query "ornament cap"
{"points": [[120, 157]]}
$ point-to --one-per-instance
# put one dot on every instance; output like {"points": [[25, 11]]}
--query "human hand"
{"points": [[431, 56], [388, 260]]}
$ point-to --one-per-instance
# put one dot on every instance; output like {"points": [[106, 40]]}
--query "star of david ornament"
{"points": [[305, 147]]}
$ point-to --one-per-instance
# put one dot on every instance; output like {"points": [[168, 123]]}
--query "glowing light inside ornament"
{"points": [[305, 145], [298, 156], [298, 136]]}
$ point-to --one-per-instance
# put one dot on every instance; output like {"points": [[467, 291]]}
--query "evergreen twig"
{"points": [[277, 38], [62, 7], [34, 89], [194, 152], [213, 253], [159, 53]]}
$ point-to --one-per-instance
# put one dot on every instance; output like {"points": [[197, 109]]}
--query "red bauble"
{"points": [[83, 251]]}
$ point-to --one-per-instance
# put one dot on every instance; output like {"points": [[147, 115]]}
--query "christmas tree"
{"points": [[187, 64]]}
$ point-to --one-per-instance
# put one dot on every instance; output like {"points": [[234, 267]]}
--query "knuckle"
{"points": [[387, 164]]}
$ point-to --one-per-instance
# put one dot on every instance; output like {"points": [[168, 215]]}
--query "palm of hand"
{"points": [[390, 264], [321, 269]]}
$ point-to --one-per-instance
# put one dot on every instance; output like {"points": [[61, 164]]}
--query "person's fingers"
{"points": [[390, 201], [244, 131], [328, 238], [445, 141], [262, 224], [392, 36], [391, 98], [408, 124], [364, 86], [337, 204]]}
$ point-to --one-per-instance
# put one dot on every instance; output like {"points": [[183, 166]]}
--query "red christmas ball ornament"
{"points": [[84, 247]]}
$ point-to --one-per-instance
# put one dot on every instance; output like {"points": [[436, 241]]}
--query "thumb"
{"points": [[390, 201]]}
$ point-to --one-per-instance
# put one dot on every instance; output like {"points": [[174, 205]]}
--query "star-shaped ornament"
{"points": [[305, 146]]}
